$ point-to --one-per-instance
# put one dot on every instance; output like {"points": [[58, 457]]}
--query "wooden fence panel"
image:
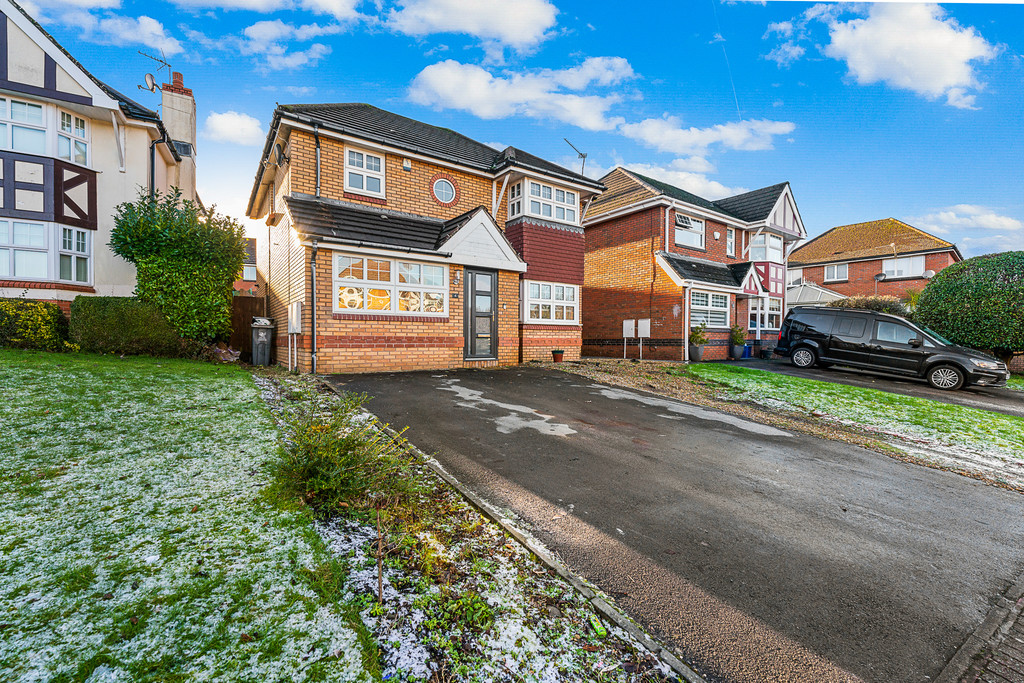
{"points": [[243, 308]]}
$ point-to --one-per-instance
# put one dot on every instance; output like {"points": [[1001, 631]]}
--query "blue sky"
{"points": [[869, 110]]}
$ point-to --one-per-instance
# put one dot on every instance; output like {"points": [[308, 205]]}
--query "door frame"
{"points": [[470, 316]]}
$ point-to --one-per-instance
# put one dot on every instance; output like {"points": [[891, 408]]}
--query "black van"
{"points": [[813, 335]]}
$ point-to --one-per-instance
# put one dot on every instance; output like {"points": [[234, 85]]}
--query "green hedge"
{"points": [[881, 303], [28, 324], [122, 325]]}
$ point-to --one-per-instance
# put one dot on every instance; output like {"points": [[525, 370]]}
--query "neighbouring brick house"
{"points": [[847, 258], [247, 282], [657, 252], [397, 245], [71, 149]]}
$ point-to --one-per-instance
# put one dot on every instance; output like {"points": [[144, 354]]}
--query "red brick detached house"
{"points": [[397, 245], [847, 258], [658, 252]]}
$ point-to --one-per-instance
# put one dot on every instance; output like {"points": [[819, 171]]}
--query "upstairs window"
{"points": [[794, 276], [836, 272], [730, 242], [72, 139], [544, 201], [689, 231], [22, 127], [515, 200], [364, 173], [908, 266], [765, 247]]}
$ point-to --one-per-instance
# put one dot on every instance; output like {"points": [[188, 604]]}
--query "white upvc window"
{"points": [[767, 247], [793, 276], [689, 232], [249, 273], [730, 241], [837, 272], [551, 303], [709, 308], [72, 138], [907, 266], [22, 126], [544, 201], [372, 284], [73, 255], [364, 172], [765, 315]]}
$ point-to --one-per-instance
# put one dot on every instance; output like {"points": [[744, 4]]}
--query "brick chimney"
{"points": [[179, 118]]}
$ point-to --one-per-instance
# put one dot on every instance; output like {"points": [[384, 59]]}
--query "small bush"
{"points": [[122, 325], [699, 335], [340, 458], [28, 324], [882, 304]]}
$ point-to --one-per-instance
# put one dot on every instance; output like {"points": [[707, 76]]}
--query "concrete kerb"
{"points": [[993, 628], [605, 609]]}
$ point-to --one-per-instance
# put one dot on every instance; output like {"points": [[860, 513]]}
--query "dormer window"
{"points": [[689, 232], [364, 173]]}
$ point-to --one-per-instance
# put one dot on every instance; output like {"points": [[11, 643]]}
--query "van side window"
{"points": [[850, 327], [812, 322], [891, 332]]}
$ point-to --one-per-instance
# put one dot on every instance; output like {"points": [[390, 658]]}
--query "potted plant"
{"points": [[698, 338], [556, 355], [737, 341]]}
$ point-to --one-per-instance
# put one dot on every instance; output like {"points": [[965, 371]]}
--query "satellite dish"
{"points": [[279, 156], [928, 274], [879, 277], [150, 83]]}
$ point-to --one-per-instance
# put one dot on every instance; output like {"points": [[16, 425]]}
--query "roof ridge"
{"points": [[643, 180], [757, 189], [926, 234]]}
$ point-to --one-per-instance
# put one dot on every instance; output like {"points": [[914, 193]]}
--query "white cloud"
{"points": [[293, 59], [342, 10], [234, 127], [543, 94], [676, 174], [668, 135], [912, 47], [966, 216], [519, 24], [270, 43], [991, 244], [113, 29], [786, 53]]}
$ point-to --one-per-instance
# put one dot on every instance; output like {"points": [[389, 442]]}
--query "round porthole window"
{"points": [[444, 191]]}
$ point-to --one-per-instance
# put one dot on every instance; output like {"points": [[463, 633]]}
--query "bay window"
{"points": [[549, 302], [766, 247], [765, 315], [364, 172], [529, 197], [689, 232], [709, 308], [907, 266], [73, 260], [389, 286]]}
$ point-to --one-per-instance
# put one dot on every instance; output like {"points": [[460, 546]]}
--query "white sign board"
{"points": [[628, 329], [295, 318], [643, 328]]}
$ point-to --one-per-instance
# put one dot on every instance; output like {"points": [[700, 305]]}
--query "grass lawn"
{"points": [[134, 542], [1016, 382], [965, 432]]}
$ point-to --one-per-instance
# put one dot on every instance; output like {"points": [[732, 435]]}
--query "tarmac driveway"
{"points": [[758, 554], [1000, 400]]}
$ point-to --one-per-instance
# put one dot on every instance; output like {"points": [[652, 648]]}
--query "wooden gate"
{"points": [[243, 308]]}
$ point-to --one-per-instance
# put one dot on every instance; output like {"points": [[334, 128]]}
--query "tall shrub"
{"points": [[186, 261], [978, 303]]}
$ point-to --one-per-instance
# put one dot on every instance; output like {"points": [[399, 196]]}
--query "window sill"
{"points": [[48, 284], [396, 317], [834, 282], [543, 324], [684, 246]]}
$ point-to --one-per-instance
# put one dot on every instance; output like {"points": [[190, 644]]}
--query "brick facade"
{"points": [[861, 277]]}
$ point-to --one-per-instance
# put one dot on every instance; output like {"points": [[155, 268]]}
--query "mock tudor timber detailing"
{"points": [[403, 220]]}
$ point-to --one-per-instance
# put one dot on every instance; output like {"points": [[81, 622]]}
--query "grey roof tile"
{"points": [[752, 206], [707, 271]]}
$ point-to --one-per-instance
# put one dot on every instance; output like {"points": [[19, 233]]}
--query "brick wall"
{"points": [[861, 277], [538, 341], [409, 191], [714, 249], [374, 343]]}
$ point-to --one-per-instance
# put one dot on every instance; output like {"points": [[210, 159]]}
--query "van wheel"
{"points": [[946, 377], [804, 357]]}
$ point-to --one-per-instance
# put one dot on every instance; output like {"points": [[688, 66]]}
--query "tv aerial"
{"points": [[150, 78], [582, 155]]}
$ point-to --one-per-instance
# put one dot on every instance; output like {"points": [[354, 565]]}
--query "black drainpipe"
{"points": [[312, 272], [152, 163], [316, 136]]}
